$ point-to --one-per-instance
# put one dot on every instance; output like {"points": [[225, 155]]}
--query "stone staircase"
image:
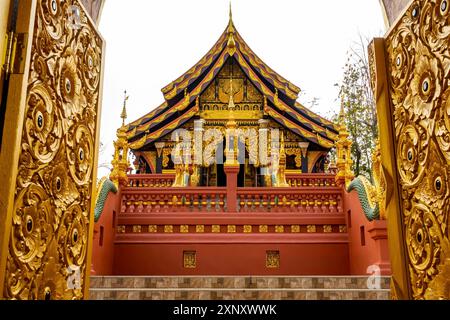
{"points": [[236, 288]]}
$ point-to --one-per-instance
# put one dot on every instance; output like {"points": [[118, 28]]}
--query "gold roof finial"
{"points": [[123, 115], [230, 15], [231, 44]]}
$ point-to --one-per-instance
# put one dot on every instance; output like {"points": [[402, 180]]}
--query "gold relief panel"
{"points": [[184, 228], [279, 229], [247, 99], [215, 228], [152, 228], [295, 228], [311, 228], [327, 228], [231, 228], [272, 259], [199, 228], [121, 229], [247, 228], [52, 217], [168, 228], [418, 65], [137, 229], [189, 259], [263, 228], [342, 228]]}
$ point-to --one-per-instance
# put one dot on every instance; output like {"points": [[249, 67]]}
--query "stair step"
{"points": [[235, 282], [238, 294]]}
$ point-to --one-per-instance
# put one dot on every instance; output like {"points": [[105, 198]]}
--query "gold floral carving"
{"points": [[247, 228], [295, 228], [419, 66], [215, 228], [272, 259], [189, 259], [152, 228], [54, 187], [263, 228]]}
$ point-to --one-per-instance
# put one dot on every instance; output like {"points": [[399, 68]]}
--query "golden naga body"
{"points": [[372, 196]]}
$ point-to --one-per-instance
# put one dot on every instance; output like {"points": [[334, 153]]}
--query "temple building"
{"points": [[230, 175], [230, 81]]}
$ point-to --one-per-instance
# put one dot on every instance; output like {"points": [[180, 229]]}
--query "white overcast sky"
{"points": [[150, 43]]}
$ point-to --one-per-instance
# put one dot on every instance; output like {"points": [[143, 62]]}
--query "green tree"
{"points": [[359, 105]]}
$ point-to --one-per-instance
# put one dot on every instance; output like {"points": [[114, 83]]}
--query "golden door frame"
{"points": [[408, 70], [49, 151]]}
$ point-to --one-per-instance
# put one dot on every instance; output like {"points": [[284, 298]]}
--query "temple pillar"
{"points": [[198, 153], [231, 170], [159, 156], [263, 151], [304, 151]]}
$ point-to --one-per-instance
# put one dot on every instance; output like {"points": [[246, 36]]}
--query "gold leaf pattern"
{"points": [[49, 236], [418, 51]]}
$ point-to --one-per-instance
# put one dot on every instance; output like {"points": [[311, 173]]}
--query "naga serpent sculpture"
{"points": [[372, 196]]}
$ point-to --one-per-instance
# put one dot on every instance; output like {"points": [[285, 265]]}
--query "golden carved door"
{"points": [[49, 150], [410, 69]]}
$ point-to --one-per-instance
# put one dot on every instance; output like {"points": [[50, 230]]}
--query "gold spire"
{"points": [[230, 20], [123, 115], [343, 144], [231, 44]]}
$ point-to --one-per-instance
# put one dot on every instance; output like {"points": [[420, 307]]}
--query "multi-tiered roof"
{"points": [[181, 97]]}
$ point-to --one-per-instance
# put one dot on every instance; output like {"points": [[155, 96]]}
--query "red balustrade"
{"points": [[311, 179], [301, 199], [151, 180], [168, 199]]}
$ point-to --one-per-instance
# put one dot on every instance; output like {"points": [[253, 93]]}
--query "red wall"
{"points": [[231, 259], [375, 251], [102, 255]]}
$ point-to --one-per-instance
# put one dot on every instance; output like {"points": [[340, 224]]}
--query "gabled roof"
{"points": [[181, 96]]}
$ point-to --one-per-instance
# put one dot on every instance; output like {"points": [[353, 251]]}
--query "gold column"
{"points": [[344, 161], [263, 151], [281, 170], [120, 161]]}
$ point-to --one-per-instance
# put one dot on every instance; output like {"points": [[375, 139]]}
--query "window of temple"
{"points": [[363, 235], [100, 238], [349, 218]]}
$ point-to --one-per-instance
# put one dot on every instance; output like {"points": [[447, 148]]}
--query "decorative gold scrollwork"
{"points": [[49, 235], [419, 65]]}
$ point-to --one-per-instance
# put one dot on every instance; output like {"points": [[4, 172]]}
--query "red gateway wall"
{"points": [[151, 240], [104, 233], [367, 240], [232, 259]]}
